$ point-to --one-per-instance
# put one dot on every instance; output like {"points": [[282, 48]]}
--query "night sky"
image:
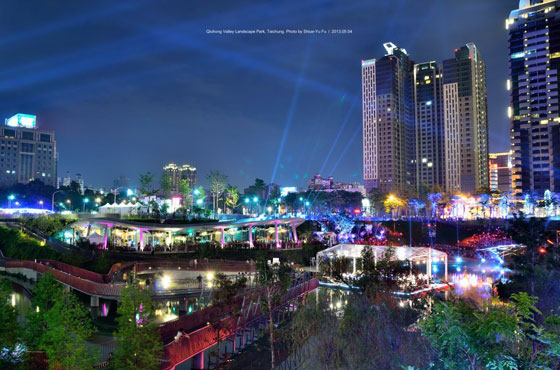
{"points": [[130, 86]]}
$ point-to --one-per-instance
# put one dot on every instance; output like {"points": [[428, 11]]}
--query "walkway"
{"points": [[203, 336]]}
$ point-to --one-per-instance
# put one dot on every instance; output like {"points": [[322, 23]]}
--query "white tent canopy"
{"points": [[413, 254]]}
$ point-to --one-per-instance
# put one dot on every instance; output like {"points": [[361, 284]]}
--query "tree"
{"points": [[434, 199], [217, 182], [376, 198], [10, 334], [146, 183], [186, 193], [138, 340], [392, 204], [275, 279], [166, 183], [59, 326], [232, 197], [494, 336], [223, 300], [68, 326]]}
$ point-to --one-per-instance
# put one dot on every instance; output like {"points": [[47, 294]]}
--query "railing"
{"points": [[206, 336], [77, 282]]}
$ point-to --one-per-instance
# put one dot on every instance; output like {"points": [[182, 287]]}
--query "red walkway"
{"points": [[205, 337]]}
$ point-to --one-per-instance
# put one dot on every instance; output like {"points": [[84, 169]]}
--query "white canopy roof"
{"points": [[401, 253]]}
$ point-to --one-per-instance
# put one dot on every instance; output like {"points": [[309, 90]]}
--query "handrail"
{"points": [[206, 336]]}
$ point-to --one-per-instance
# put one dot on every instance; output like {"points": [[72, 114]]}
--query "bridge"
{"points": [[237, 331], [108, 286]]}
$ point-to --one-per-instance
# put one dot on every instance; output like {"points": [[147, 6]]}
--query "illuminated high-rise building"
{"points": [[534, 61], [178, 173], [26, 153], [465, 121], [430, 135], [388, 122], [500, 172]]}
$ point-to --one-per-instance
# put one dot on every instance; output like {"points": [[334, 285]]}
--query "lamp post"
{"points": [[41, 204], [10, 198], [52, 199], [69, 202], [256, 201], [116, 191], [84, 202]]}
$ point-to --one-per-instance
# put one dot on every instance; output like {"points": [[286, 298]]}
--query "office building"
{"points": [[499, 168], [429, 135], [67, 180], [26, 153], [388, 122], [178, 173], [466, 121], [534, 60], [318, 183]]}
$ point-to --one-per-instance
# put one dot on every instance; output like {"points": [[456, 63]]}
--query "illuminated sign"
{"points": [[287, 190], [21, 120]]}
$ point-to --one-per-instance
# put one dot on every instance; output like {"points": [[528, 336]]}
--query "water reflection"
{"points": [[21, 300]]}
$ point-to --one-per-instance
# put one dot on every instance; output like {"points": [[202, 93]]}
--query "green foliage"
{"points": [[59, 326], [67, 328], [166, 183], [138, 341], [275, 279], [47, 224], [146, 183], [10, 334], [14, 244], [223, 299], [497, 336], [341, 331]]}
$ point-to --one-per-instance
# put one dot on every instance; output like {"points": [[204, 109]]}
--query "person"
{"points": [[199, 278], [181, 334]]}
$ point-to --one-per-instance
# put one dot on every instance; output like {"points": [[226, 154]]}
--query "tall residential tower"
{"points": [[388, 122], [430, 134], [466, 121], [534, 60]]}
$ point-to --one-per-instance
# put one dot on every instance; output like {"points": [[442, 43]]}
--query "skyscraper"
{"points": [[430, 135], [178, 173], [534, 60], [466, 121], [27, 153], [388, 122]]}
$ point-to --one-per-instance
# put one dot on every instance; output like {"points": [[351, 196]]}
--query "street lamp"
{"points": [[10, 198], [116, 191], [41, 204], [52, 200], [85, 201], [17, 204], [69, 202]]}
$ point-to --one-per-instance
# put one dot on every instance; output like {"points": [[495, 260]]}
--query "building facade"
{"points": [[178, 173], [499, 167], [388, 122], [534, 60], [26, 153], [465, 121], [429, 127]]}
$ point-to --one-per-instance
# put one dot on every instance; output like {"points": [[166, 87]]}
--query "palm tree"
{"points": [[434, 199]]}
